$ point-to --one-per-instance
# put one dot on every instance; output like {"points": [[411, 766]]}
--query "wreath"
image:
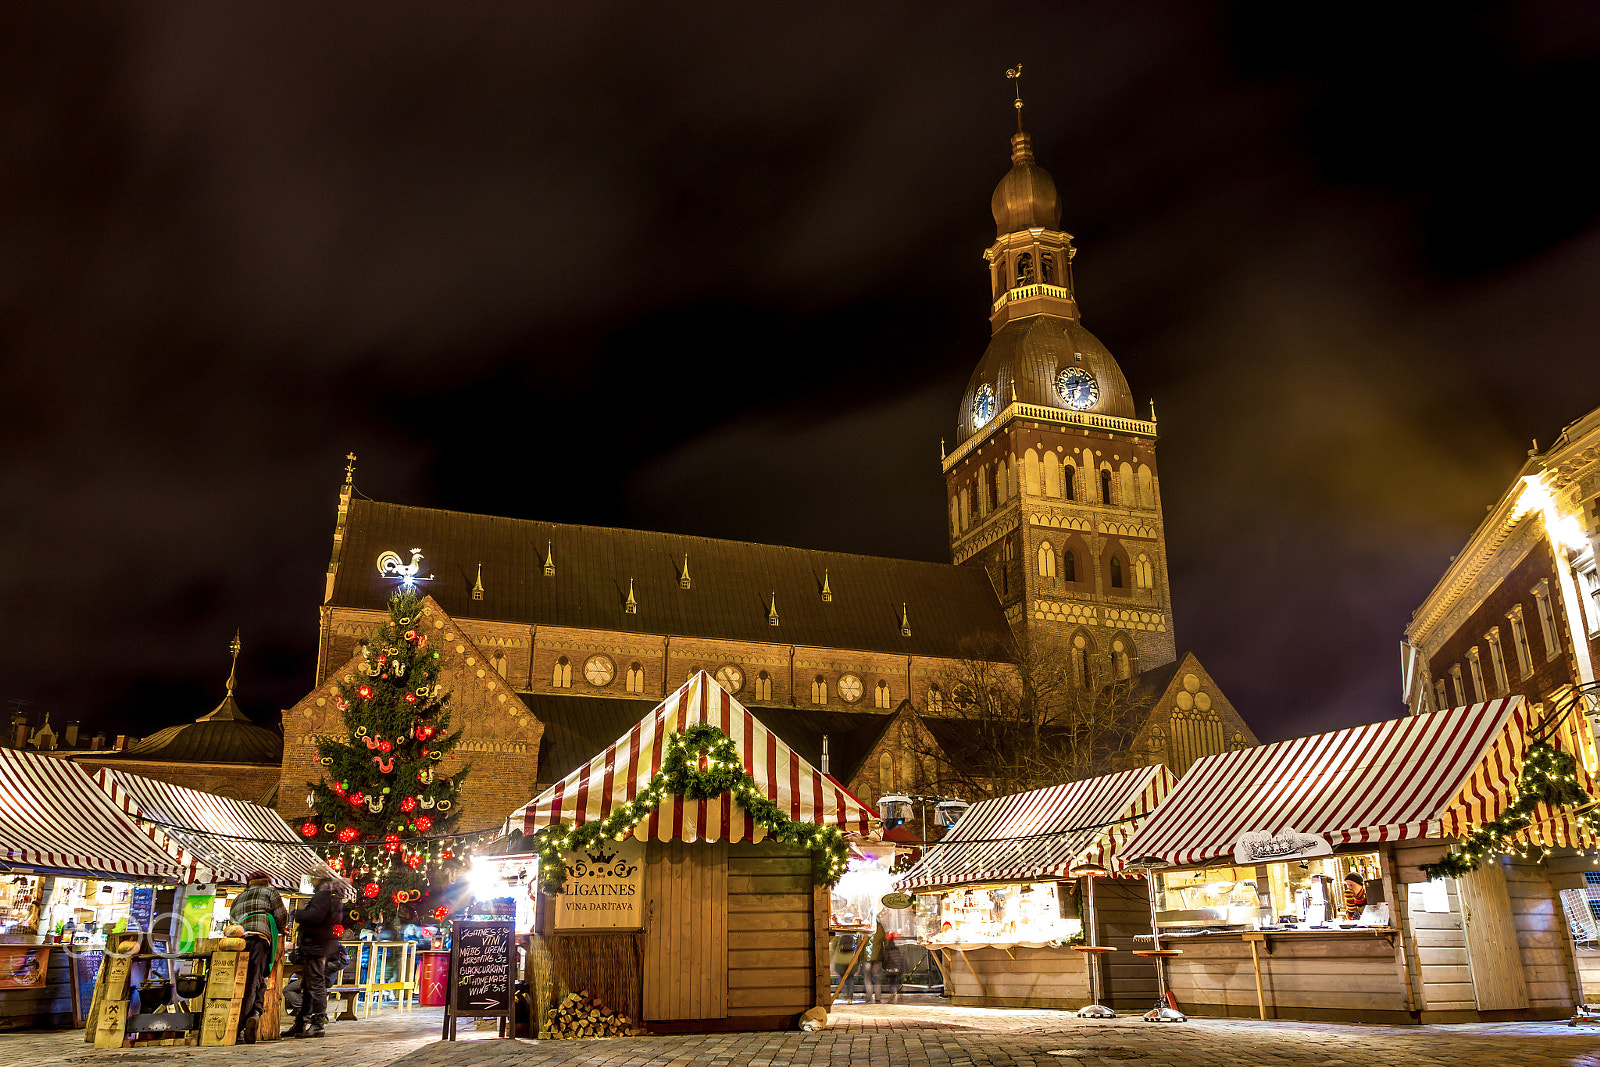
{"points": [[682, 775]]}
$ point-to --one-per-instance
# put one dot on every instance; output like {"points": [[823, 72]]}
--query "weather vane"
{"points": [[1015, 74], [350, 468]]}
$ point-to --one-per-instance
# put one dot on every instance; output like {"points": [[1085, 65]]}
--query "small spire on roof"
{"points": [[1013, 390], [477, 586], [941, 448], [631, 606], [827, 590], [683, 576], [772, 612], [1152, 409], [233, 668], [905, 621], [549, 561], [350, 468]]}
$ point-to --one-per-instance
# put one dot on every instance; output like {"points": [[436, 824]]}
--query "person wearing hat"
{"points": [[1355, 895], [259, 909]]}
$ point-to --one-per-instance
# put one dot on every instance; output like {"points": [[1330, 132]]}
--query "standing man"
{"points": [[317, 941], [259, 909]]}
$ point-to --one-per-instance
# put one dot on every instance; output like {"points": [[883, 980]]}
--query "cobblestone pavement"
{"points": [[897, 1035]]}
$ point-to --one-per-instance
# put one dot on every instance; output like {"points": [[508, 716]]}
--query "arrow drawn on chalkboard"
{"points": [[482, 1003]]}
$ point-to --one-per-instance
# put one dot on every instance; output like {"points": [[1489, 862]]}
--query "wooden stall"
{"points": [[697, 919], [1261, 842], [1004, 902]]}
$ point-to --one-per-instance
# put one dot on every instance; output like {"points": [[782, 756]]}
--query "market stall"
{"points": [[683, 905], [1260, 904], [1002, 899]]}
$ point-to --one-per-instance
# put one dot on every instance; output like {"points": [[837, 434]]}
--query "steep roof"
{"points": [[732, 583], [205, 741], [577, 728]]}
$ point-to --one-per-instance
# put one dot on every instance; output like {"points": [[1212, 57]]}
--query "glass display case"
{"points": [[1031, 912], [1302, 894]]}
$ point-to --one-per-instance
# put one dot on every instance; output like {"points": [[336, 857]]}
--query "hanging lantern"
{"points": [[948, 811], [895, 809]]}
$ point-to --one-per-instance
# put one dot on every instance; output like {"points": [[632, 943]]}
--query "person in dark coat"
{"points": [[259, 909], [315, 945]]}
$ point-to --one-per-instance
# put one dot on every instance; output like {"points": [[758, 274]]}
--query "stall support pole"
{"points": [[1163, 1012], [1255, 961], [1094, 1009]]}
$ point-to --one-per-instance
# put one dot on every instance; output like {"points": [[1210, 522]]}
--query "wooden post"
{"points": [[271, 1022], [1256, 940]]}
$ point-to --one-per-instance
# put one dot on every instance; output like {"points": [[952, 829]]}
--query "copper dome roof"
{"points": [[1026, 197]]}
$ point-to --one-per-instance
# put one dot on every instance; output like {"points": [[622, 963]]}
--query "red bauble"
{"points": [[411, 698], [357, 799], [348, 834], [447, 855], [408, 804], [391, 842], [337, 787], [365, 692], [414, 860], [424, 824], [385, 745], [338, 930], [336, 863], [309, 829], [440, 912], [370, 890]]}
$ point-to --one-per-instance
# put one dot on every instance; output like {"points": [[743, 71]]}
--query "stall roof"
{"points": [[1443, 773], [228, 837], [1042, 834], [54, 818], [625, 766]]}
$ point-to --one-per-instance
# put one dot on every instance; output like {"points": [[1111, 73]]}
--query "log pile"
{"points": [[581, 1015]]}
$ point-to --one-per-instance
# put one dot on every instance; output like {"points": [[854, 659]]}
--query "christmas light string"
{"points": [[723, 773]]}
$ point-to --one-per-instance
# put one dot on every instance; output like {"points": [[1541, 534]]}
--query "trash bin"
{"points": [[433, 977]]}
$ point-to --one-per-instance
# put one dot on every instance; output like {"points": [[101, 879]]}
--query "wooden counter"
{"points": [[1348, 975], [1018, 977]]}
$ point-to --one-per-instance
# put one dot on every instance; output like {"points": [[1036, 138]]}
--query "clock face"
{"points": [[731, 678], [983, 405], [599, 670], [849, 688], [1078, 388]]}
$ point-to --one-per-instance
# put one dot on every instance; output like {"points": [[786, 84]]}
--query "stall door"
{"points": [[686, 932], [1497, 978]]}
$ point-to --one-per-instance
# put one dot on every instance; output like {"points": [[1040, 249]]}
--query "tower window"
{"points": [[1047, 560], [881, 696], [1144, 573], [1105, 487], [1069, 566], [1025, 269], [1443, 698], [1116, 573], [1069, 481], [819, 690], [763, 686], [1047, 268], [1459, 686], [561, 677], [635, 678], [1119, 659], [1052, 475]]}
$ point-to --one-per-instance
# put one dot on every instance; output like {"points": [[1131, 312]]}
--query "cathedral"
{"points": [[557, 638]]}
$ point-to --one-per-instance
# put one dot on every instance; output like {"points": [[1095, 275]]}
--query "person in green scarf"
{"points": [[259, 909]]}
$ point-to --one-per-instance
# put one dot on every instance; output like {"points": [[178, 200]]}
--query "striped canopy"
{"points": [[626, 766], [1444, 773], [215, 830], [1042, 834], [54, 818]]}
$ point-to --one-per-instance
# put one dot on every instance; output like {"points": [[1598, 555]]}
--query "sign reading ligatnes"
{"points": [[604, 888]]}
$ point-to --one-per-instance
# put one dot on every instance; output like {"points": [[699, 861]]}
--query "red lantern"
{"points": [[411, 698], [424, 824], [386, 746], [415, 859], [309, 829], [365, 692], [391, 842], [440, 912], [447, 855], [408, 804], [348, 834], [370, 890], [337, 787], [357, 799], [338, 930]]}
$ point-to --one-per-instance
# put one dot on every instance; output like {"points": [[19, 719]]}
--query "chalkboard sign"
{"points": [[141, 908], [484, 954]]}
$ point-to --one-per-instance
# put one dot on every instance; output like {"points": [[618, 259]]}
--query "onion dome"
{"points": [[1026, 197]]}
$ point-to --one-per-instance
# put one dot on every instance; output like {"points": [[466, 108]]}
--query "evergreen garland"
{"points": [[681, 775], [1548, 777]]}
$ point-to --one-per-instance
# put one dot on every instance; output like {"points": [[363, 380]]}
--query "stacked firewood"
{"points": [[581, 1015]]}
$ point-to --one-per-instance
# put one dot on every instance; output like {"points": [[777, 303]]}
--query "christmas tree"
{"points": [[383, 814]]}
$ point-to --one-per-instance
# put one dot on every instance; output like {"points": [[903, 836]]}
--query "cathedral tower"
{"points": [[1052, 480]]}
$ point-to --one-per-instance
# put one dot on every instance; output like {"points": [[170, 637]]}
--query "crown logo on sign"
{"points": [[602, 857]]}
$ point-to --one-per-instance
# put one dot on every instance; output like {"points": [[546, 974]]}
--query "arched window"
{"points": [[500, 662], [1047, 560], [984, 506], [1147, 487], [885, 773], [635, 678], [993, 487], [1069, 481], [1052, 475], [1105, 487], [881, 696], [763, 686], [1001, 487], [935, 700], [1025, 269], [955, 516], [1069, 567], [1119, 659], [819, 690], [561, 677], [1080, 655], [1125, 485], [1143, 572], [1047, 268], [1030, 472], [1116, 573]]}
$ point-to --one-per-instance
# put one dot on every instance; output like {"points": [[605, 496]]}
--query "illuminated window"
{"points": [[1143, 573], [881, 696], [1047, 560], [966, 507], [763, 686], [984, 502], [1475, 669], [1519, 642], [1069, 566], [1105, 487], [561, 677], [1547, 619], [1125, 485], [635, 678], [1497, 661], [1116, 573], [500, 662], [1025, 269], [819, 690], [955, 515]]}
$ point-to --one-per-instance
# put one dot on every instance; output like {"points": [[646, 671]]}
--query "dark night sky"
{"points": [[716, 269]]}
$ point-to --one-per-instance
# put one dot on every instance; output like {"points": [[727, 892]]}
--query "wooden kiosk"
{"points": [[696, 920], [1013, 879], [1260, 841]]}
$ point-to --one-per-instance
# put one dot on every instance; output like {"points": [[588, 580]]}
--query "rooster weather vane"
{"points": [[391, 565]]}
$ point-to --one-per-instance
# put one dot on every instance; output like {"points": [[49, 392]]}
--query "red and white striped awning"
{"points": [[626, 766], [1443, 773], [227, 836], [1044, 833], [54, 818]]}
